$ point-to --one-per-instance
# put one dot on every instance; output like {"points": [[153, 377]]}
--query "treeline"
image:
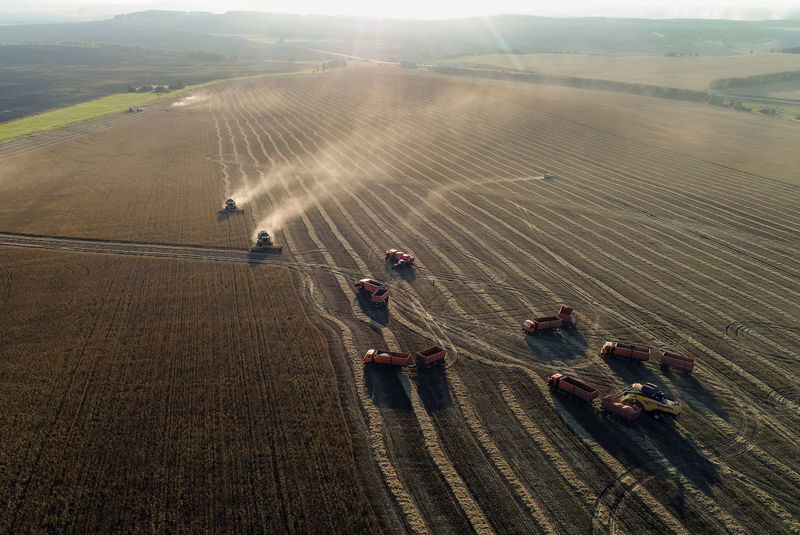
{"points": [[156, 89], [138, 50], [331, 64], [589, 83], [755, 79]]}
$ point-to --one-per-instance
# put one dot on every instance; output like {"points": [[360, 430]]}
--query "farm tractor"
{"points": [[231, 208], [264, 244]]}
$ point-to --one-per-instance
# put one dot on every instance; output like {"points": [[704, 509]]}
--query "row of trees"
{"points": [[156, 89], [610, 85], [590, 83], [755, 79]]}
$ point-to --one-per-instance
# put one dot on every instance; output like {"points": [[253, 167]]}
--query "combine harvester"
{"points": [[565, 384], [652, 400], [550, 324], [230, 208], [377, 291], [425, 358], [399, 259], [625, 351], [264, 244]]}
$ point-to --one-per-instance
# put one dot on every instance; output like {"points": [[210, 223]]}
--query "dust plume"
{"points": [[267, 181], [195, 98], [370, 152], [319, 182]]}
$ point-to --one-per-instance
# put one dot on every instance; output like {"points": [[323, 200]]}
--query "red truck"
{"points": [[625, 351], [377, 291], [387, 358], [572, 387], [399, 259], [677, 361], [432, 356], [549, 324], [620, 406]]}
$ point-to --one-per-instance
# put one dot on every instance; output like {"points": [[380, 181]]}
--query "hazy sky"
{"points": [[732, 9]]}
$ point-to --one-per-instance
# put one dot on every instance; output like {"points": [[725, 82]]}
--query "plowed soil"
{"points": [[654, 240]]}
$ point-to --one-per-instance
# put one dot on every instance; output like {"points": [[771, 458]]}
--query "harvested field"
{"points": [[683, 72], [658, 240]]}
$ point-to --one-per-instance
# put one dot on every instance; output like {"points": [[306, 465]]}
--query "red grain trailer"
{"points": [[677, 361], [431, 356], [572, 387], [377, 291], [548, 324], [620, 406], [625, 351], [387, 358]]}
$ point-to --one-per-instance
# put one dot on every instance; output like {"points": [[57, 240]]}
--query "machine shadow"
{"points": [[685, 381], [382, 384], [562, 345], [408, 274], [378, 314], [434, 388], [672, 450]]}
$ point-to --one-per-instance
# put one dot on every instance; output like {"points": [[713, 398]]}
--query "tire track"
{"points": [[468, 505], [502, 148], [472, 205], [481, 433], [457, 485]]}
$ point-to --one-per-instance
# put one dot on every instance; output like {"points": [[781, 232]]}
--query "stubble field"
{"points": [[685, 72], [648, 240]]}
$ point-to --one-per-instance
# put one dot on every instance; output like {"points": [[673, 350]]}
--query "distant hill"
{"points": [[254, 35], [148, 35]]}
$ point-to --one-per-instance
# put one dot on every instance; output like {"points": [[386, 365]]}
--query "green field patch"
{"points": [[118, 103]]}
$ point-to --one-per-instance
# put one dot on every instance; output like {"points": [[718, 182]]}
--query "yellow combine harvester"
{"points": [[653, 400]]}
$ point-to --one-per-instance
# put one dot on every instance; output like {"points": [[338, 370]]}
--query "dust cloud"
{"points": [[366, 156], [193, 99]]}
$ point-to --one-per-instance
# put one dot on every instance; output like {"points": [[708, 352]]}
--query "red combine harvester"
{"points": [[550, 324], [625, 351], [377, 291], [565, 384], [399, 259], [432, 356], [387, 358], [677, 361]]}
